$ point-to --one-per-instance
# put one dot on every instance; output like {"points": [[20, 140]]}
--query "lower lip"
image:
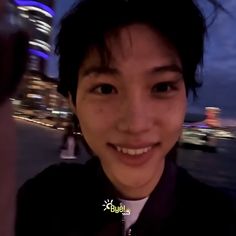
{"points": [[135, 160]]}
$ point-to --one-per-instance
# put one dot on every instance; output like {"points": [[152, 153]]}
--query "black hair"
{"points": [[90, 21]]}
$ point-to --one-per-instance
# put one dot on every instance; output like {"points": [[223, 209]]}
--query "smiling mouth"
{"points": [[132, 151]]}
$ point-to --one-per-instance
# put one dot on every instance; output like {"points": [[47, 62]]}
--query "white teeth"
{"points": [[133, 152], [124, 150]]}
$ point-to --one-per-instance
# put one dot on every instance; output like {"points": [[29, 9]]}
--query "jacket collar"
{"points": [[161, 202], [158, 207]]}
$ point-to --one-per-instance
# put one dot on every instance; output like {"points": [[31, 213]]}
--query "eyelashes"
{"points": [[165, 87], [103, 89], [159, 88]]}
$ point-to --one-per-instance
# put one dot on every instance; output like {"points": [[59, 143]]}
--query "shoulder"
{"points": [[56, 173], [53, 195], [51, 182], [57, 179]]}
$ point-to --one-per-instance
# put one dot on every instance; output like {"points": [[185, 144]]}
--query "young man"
{"points": [[126, 68], [13, 44]]}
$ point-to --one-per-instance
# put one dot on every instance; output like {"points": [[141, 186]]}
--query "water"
{"points": [[214, 169]]}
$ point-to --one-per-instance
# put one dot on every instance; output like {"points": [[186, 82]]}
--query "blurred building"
{"points": [[41, 94], [38, 93], [39, 99], [40, 15], [212, 116]]}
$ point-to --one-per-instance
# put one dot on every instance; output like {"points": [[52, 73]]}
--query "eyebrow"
{"points": [[100, 70], [106, 70], [166, 68]]}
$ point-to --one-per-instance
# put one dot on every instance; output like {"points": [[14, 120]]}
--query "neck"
{"points": [[141, 191]]}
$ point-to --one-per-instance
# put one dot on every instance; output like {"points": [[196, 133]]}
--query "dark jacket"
{"points": [[67, 200]]}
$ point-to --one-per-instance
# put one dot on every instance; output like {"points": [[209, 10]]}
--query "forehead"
{"points": [[137, 42]]}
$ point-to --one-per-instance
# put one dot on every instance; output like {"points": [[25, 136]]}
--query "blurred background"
{"points": [[47, 130]]}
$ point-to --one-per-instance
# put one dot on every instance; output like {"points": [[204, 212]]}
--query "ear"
{"points": [[71, 104]]}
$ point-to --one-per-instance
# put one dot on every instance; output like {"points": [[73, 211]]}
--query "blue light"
{"points": [[35, 4], [39, 53]]}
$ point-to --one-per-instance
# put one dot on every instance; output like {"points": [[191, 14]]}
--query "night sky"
{"points": [[219, 77]]}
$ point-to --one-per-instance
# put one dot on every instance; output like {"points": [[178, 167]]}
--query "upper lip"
{"points": [[135, 146]]}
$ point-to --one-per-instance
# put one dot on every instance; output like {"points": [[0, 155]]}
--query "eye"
{"points": [[104, 89], [163, 87]]}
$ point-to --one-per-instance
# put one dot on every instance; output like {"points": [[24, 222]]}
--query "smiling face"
{"points": [[131, 111]]}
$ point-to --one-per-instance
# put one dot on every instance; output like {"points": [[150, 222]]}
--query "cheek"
{"points": [[174, 117], [96, 118], [177, 113]]}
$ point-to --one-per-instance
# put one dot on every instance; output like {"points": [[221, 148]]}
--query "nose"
{"points": [[135, 116]]}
